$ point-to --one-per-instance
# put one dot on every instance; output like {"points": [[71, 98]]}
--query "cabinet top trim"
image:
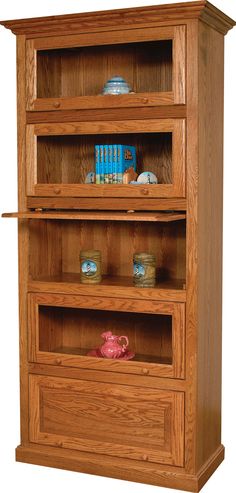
{"points": [[121, 19]]}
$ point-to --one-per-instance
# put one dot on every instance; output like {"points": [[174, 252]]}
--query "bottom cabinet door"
{"points": [[118, 420]]}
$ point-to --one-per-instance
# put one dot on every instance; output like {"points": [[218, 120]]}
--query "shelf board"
{"points": [[99, 215], [80, 190], [110, 286], [102, 203], [100, 101], [107, 114], [143, 358]]}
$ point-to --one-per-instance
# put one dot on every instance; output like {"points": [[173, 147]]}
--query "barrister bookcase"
{"points": [[156, 418]]}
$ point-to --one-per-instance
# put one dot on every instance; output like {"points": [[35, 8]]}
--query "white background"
{"points": [[27, 478]]}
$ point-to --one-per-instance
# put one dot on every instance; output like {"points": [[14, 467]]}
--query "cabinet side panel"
{"points": [[22, 238], [191, 245], [211, 84]]}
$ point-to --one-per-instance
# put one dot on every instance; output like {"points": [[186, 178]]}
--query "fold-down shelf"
{"points": [[99, 215]]}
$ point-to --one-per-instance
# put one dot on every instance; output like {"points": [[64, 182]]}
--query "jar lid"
{"points": [[144, 256]]}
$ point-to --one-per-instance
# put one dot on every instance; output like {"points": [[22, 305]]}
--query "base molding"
{"points": [[126, 469]]}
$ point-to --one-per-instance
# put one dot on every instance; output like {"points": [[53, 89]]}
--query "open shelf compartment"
{"points": [[55, 245], [68, 327], [152, 63], [59, 157]]}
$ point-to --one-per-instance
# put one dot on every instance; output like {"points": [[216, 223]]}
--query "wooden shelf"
{"points": [[99, 215], [109, 101], [107, 114], [111, 286], [145, 358], [101, 203]]}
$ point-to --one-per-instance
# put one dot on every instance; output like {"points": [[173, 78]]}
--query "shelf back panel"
{"points": [[83, 71], [55, 246], [67, 159], [76, 331]]}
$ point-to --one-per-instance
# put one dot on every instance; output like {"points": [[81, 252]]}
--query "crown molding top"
{"points": [[127, 18]]}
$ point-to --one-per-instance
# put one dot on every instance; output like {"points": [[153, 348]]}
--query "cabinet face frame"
{"points": [[176, 310], [174, 189], [52, 398], [177, 96]]}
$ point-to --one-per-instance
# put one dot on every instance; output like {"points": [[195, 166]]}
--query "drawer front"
{"points": [[115, 420]]}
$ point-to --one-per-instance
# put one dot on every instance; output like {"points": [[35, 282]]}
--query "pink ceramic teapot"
{"points": [[111, 347]]}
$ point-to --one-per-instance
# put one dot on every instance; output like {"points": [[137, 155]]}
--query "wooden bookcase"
{"points": [[154, 419]]}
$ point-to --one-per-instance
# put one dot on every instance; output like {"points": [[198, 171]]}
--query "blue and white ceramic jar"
{"points": [[116, 85]]}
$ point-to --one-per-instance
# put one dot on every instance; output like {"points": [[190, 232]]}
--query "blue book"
{"points": [[119, 164], [105, 155], [114, 164], [101, 163], [110, 164], [97, 164], [126, 157]]}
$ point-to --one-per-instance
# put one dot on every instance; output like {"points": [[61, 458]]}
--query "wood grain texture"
{"points": [[211, 89], [107, 114], [123, 239], [134, 126], [66, 160], [102, 375], [105, 38], [109, 191], [75, 77], [23, 241], [100, 216], [91, 417], [141, 472], [31, 73], [98, 203], [59, 334], [31, 159], [143, 99], [113, 286], [127, 18], [191, 245], [161, 383], [169, 395], [160, 146], [179, 65]]}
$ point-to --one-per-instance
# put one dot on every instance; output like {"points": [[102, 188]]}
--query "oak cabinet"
{"points": [[157, 417]]}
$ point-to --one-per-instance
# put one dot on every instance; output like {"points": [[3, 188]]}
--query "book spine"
{"points": [[128, 157], [110, 163], [105, 154], [97, 164], [114, 165], [119, 164], [101, 164]]}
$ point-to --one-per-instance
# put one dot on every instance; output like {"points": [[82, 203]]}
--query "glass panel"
{"points": [[67, 159], [78, 331], [146, 66]]}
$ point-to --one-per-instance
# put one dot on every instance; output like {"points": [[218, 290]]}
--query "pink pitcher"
{"points": [[111, 347]]}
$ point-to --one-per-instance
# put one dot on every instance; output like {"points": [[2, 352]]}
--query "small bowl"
{"points": [[116, 85]]}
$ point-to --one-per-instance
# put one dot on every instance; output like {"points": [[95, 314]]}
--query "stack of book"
{"points": [[111, 161]]}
